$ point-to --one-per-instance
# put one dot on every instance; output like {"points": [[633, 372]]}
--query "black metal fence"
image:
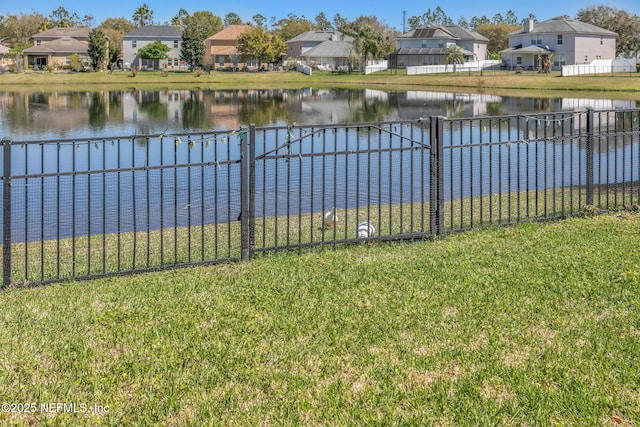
{"points": [[78, 209]]}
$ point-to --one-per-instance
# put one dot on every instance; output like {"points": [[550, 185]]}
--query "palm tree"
{"points": [[367, 42], [454, 55], [143, 15]]}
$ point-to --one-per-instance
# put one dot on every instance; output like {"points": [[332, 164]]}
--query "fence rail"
{"points": [[77, 209]]}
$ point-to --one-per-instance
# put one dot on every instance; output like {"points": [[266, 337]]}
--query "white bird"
{"points": [[365, 230], [330, 219]]}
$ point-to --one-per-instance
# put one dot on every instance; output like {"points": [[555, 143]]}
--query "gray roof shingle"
{"points": [[320, 36], [564, 25], [61, 45], [330, 49], [151, 31]]}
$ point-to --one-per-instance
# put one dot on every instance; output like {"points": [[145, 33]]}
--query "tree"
{"points": [[192, 50], [143, 16], [497, 19], [259, 19], [154, 50], [498, 35], [98, 49], [462, 22], [339, 22], [202, 24], [618, 21], [114, 28], [231, 19], [75, 61], [435, 17], [454, 55], [476, 22], [178, 20], [292, 26], [323, 23], [510, 18], [261, 44], [16, 30], [414, 22], [372, 39], [61, 18]]}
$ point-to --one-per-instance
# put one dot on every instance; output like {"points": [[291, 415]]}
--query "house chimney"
{"points": [[528, 25]]}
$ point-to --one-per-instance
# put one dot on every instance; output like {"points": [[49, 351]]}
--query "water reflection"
{"points": [[29, 115]]}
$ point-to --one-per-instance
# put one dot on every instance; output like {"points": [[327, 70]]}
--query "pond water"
{"points": [[72, 114], [73, 200]]}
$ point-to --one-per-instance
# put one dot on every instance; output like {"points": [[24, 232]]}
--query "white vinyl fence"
{"points": [[373, 66], [459, 68], [600, 66]]}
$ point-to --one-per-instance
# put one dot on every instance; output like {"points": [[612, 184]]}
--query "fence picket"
{"points": [[263, 189]]}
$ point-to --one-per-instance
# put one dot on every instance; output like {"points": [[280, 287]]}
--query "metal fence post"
{"points": [[6, 213], [252, 189], [589, 154], [244, 197], [436, 184]]}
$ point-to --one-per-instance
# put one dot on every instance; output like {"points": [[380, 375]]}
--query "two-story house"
{"points": [[140, 37], [428, 45], [561, 41], [54, 47], [4, 60], [220, 49]]}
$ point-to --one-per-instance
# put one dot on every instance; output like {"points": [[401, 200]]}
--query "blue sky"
{"points": [[389, 12]]}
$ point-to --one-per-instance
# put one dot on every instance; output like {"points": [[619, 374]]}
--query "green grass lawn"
{"points": [[622, 85], [534, 324]]}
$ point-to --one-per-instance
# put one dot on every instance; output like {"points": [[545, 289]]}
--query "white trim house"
{"points": [[563, 40], [143, 36], [330, 49], [428, 45]]}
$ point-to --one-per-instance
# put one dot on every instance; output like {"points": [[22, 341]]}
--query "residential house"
{"points": [[141, 37], [428, 46], [54, 47], [561, 41], [323, 49], [5, 61], [220, 49]]}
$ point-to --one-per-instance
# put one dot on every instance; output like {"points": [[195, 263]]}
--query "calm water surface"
{"points": [[65, 205], [61, 115]]}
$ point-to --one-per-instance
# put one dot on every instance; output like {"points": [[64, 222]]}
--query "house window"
{"points": [[134, 43], [175, 44], [424, 44], [176, 62], [536, 40], [67, 60], [38, 42], [559, 60], [519, 60], [440, 44], [601, 41], [559, 38]]}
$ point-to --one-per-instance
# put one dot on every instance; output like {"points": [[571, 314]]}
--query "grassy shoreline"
{"points": [[490, 81]]}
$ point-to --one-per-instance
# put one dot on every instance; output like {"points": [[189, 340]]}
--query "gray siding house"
{"points": [[562, 40], [142, 36], [328, 49], [428, 45]]}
